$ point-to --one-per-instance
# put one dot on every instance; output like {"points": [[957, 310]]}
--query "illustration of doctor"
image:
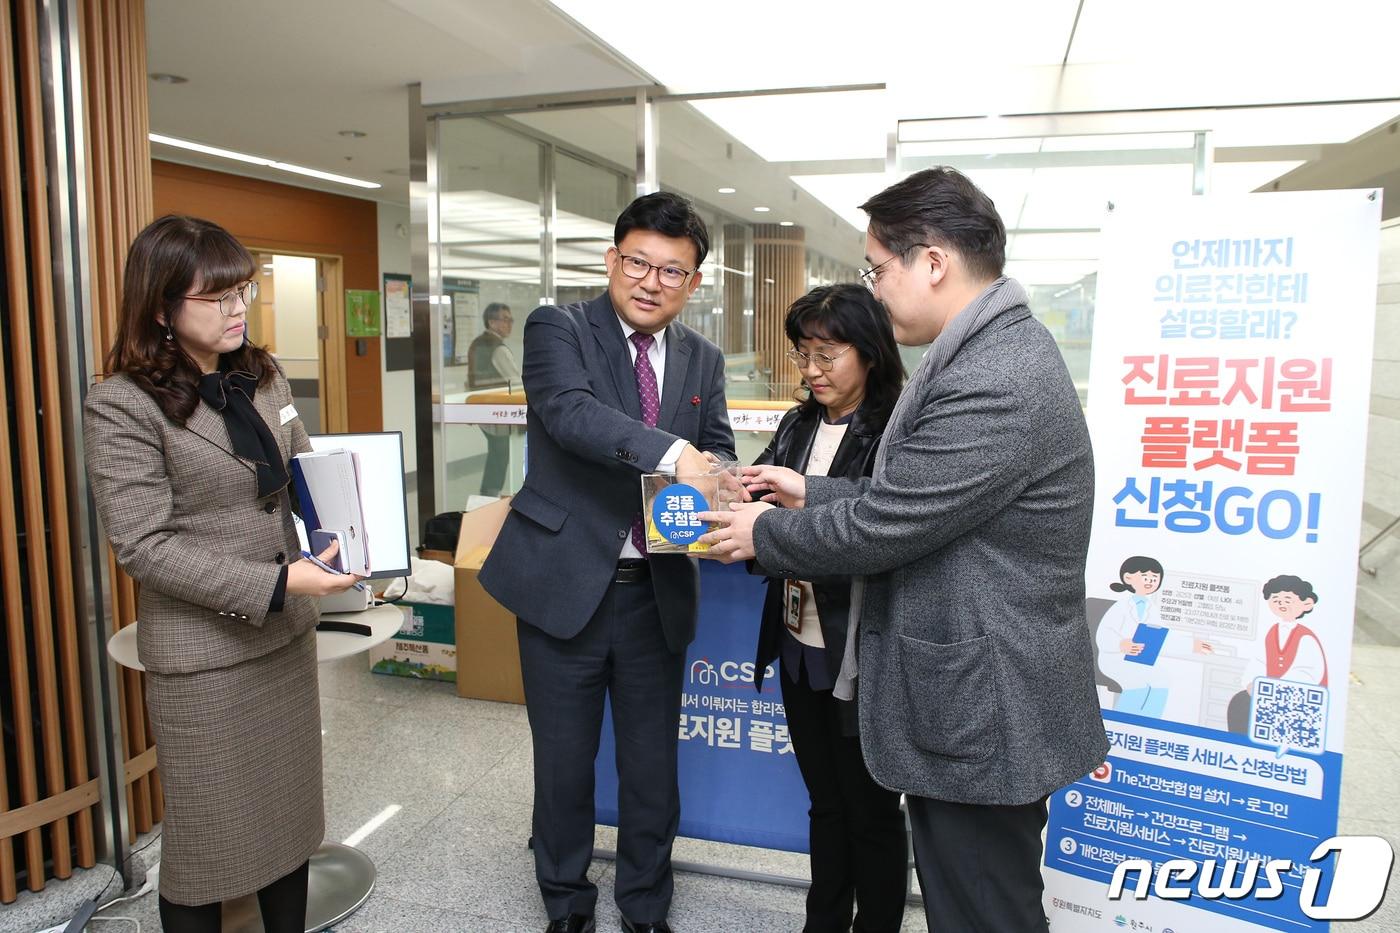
{"points": [[1131, 639]]}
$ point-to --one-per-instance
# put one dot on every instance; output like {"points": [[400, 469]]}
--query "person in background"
{"points": [[188, 442], [490, 363], [843, 346], [618, 387]]}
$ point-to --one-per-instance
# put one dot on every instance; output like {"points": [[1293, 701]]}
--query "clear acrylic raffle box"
{"points": [[670, 503]]}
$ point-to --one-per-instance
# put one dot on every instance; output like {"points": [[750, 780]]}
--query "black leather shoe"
{"points": [[573, 923], [660, 926]]}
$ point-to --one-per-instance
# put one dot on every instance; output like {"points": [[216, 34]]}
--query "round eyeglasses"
{"points": [[824, 362], [228, 302], [635, 267]]}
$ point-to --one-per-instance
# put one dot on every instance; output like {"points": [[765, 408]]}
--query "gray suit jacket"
{"points": [[180, 510], [588, 447], [976, 675]]}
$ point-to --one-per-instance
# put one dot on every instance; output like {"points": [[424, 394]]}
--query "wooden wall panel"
{"points": [[736, 264], [298, 220], [780, 278], [113, 38], [49, 792]]}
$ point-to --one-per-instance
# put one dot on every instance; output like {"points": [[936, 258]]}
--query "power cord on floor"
{"points": [[88, 908], [125, 862], [132, 920]]}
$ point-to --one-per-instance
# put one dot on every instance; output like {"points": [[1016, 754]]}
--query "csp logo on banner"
{"points": [[706, 674], [1360, 871]]}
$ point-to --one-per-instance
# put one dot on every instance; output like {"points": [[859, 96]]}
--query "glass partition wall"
{"points": [[521, 205], [520, 197]]}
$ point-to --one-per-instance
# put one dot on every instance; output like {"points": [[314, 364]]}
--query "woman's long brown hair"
{"points": [[166, 260]]}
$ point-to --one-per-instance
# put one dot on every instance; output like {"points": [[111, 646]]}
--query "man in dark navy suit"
{"points": [[617, 387]]}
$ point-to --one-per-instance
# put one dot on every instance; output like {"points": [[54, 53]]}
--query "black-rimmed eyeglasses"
{"points": [[228, 302], [635, 267]]}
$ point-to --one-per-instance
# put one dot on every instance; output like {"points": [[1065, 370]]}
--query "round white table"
{"points": [[340, 877]]}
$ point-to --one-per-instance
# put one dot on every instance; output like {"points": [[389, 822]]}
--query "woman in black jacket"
{"points": [[844, 347]]}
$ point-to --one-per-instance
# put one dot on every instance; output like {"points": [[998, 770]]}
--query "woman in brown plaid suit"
{"points": [[188, 444]]}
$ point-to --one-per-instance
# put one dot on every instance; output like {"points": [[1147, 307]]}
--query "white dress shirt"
{"points": [[657, 355]]}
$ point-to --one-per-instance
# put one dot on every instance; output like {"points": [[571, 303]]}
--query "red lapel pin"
{"points": [[695, 400]]}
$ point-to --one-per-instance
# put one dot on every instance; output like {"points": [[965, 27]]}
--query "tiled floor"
{"points": [[453, 859]]}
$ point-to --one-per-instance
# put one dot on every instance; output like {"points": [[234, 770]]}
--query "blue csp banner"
{"points": [[738, 774]]}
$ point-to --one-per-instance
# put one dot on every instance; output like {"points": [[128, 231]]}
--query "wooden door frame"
{"points": [[330, 322]]}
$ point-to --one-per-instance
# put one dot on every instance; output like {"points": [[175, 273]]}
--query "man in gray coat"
{"points": [[975, 673]]}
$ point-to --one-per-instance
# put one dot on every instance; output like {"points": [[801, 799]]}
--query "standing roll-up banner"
{"points": [[1228, 400]]}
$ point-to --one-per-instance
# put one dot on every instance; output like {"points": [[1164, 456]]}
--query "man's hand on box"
{"points": [[731, 539], [692, 462]]}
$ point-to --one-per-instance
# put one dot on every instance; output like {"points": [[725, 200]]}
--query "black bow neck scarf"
{"points": [[231, 394]]}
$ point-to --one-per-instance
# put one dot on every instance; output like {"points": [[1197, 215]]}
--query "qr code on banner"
{"points": [[1289, 716]]}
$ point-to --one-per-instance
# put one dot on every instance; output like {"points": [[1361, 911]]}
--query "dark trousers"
{"points": [[493, 471], [979, 866], [621, 653], [858, 850], [281, 903]]}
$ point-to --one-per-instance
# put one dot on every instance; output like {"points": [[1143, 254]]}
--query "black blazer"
{"points": [[855, 457]]}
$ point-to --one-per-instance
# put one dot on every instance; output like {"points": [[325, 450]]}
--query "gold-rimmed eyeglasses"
{"points": [[871, 277], [228, 301], [823, 361]]}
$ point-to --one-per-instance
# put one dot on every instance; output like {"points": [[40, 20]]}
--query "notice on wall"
{"points": [[398, 306], [361, 312], [1228, 398]]}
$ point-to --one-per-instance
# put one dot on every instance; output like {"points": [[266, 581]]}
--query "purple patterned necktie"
{"points": [[650, 396]]}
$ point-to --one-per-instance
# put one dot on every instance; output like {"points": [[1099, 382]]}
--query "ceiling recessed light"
{"points": [[785, 223], [761, 210], [726, 190], [352, 134], [161, 77]]}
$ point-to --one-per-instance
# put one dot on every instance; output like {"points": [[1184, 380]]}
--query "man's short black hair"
{"points": [[668, 214], [940, 207]]}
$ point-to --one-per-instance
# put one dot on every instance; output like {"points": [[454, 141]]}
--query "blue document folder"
{"points": [[1151, 637]]}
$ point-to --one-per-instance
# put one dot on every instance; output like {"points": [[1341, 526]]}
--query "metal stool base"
{"points": [[339, 882]]}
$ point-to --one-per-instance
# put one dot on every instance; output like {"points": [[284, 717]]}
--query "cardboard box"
{"points": [[488, 654], [425, 646]]}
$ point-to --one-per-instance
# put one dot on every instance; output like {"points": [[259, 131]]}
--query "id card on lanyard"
{"points": [[792, 605]]}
